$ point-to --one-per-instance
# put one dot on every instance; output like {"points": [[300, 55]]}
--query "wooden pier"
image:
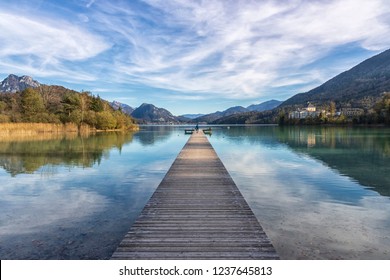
{"points": [[197, 212]]}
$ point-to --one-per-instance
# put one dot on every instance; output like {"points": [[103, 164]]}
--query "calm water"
{"points": [[319, 193]]}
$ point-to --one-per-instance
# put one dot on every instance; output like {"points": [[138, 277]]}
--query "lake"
{"points": [[318, 192]]}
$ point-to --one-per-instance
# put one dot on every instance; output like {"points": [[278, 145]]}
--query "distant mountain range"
{"points": [[149, 113], [146, 113], [192, 116], [360, 87], [268, 105]]}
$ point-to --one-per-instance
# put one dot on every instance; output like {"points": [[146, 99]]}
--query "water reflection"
{"points": [[96, 188], [150, 135], [19, 156], [359, 153], [362, 154], [301, 184], [320, 193]]}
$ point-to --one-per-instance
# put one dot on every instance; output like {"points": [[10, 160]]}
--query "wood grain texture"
{"points": [[197, 212]]}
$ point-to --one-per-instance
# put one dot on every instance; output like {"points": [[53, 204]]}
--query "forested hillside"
{"points": [[361, 86], [56, 104]]}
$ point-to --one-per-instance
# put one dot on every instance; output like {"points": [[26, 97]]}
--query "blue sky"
{"points": [[190, 56]]}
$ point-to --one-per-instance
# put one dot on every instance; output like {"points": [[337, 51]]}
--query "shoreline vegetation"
{"points": [[377, 114], [55, 109], [12, 131]]}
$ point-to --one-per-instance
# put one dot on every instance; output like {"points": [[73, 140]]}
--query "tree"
{"points": [[4, 118], [122, 120], [76, 117], [32, 105], [105, 120], [84, 103], [71, 102], [97, 104], [90, 118], [3, 105], [282, 118], [332, 108]]}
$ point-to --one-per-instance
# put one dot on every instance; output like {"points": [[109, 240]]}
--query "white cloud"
{"points": [[32, 67], [75, 204], [298, 212], [229, 49], [243, 48], [47, 42]]}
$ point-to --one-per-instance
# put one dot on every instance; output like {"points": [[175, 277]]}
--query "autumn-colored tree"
{"points": [[55, 104], [97, 104], [32, 105], [105, 120]]}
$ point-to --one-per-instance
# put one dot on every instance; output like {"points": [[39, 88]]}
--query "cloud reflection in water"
{"points": [[309, 210]]}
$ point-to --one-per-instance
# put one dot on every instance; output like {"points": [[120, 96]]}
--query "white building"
{"points": [[309, 111]]}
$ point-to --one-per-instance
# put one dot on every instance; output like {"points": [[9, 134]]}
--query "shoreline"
{"points": [[41, 128]]}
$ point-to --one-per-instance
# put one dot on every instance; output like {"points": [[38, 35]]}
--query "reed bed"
{"points": [[9, 131]]}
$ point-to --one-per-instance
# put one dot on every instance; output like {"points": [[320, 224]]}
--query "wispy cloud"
{"points": [[227, 49], [43, 204], [303, 209], [46, 45], [90, 3], [240, 49]]}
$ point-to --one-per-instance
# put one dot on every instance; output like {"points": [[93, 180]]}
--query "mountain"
{"points": [[267, 105], [57, 104], [13, 83], [152, 114], [149, 113], [214, 116], [252, 117], [124, 107], [191, 116], [358, 87]]}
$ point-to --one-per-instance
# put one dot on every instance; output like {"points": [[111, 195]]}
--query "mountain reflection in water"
{"points": [[319, 192]]}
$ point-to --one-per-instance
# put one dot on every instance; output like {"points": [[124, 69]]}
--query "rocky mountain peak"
{"points": [[14, 83], [153, 114], [124, 107]]}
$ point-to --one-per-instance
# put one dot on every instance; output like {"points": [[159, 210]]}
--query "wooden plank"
{"points": [[197, 212]]}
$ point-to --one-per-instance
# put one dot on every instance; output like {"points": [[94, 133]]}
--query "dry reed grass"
{"points": [[40, 131]]}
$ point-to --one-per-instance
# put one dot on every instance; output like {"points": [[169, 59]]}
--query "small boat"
{"points": [[188, 131]]}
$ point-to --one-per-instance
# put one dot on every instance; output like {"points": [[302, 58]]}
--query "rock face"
{"points": [[151, 113], [124, 107], [14, 83]]}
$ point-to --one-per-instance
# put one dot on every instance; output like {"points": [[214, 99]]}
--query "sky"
{"points": [[190, 56]]}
